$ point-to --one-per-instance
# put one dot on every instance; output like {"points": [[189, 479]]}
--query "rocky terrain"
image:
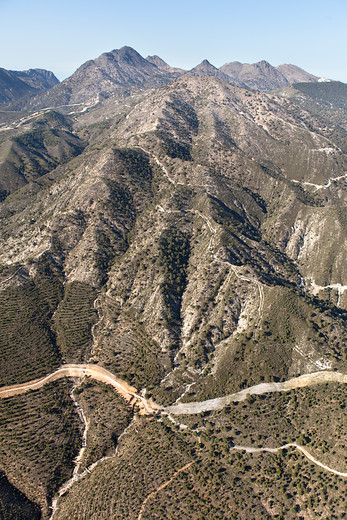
{"points": [[188, 236]]}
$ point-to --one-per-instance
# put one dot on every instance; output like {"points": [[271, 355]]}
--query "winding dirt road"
{"points": [[321, 186], [131, 395], [147, 406]]}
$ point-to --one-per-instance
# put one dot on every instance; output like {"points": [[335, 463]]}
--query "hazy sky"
{"points": [[61, 35]]}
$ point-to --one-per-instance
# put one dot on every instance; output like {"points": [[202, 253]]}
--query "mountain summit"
{"points": [[294, 74], [161, 64], [257, 76], [118, 71], [124, 71]]}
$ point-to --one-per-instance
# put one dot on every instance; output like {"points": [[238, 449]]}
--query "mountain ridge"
{"points": [[124, 71]]}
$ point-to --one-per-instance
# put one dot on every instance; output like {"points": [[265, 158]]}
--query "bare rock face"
{"points": [[161, 64], [38, 78], [263, 76]]}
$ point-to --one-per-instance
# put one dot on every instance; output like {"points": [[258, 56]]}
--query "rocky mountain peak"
{"points": [[128, 55], [17, 85], [263, 64], [205, 65]]}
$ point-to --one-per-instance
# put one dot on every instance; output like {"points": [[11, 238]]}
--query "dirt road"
{"points": [[263, 388]]}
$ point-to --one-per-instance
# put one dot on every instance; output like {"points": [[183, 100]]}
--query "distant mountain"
{"points": [[38, 78], [205, 68], [263, 76], [125, 71], [119, 71], [294, 74], [14, 85], [162, 65], [257, 76]]}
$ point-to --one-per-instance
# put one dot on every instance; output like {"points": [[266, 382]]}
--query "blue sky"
{"points": [[61, 35]]}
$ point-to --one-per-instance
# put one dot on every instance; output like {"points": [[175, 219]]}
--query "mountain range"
{"points": [[125, 71], [173, 294]]}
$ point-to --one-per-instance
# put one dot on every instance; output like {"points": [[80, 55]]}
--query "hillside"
{"points": [[189, 238], [325, 102], [27, 155], [295, 74]]}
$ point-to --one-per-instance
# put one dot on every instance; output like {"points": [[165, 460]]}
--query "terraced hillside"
{"points": [[40, 436], [194, 246]]}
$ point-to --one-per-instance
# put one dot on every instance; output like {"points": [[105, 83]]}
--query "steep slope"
{"points": [[195, 247], [12, 87], [25, 156], [263, 76], [234, 164], [39, 79], [326, 103]]}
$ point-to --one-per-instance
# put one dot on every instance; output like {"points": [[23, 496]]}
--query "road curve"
{"points": [[94, 371], [147, 406]]}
